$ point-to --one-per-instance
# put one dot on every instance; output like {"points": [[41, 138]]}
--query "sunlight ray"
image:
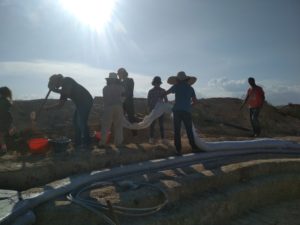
{"points": [[94, 13]]}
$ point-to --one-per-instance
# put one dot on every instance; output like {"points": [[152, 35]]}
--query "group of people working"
{"points": [[118, 100]]}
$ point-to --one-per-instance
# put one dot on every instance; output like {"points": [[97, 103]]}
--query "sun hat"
{"points": [[156, 80], [112, 75], [181, 76]]}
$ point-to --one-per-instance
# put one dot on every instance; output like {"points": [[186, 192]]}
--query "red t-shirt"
{"points": [[256, 97]]}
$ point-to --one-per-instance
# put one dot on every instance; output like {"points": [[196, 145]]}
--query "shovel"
{"points": [[37, 114]]}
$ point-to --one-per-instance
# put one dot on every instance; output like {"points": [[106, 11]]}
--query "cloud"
{"points": [[277, 92], [224, 87], [28, 80], [228, 85]]}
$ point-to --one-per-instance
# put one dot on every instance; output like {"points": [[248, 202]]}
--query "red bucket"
{"points": [[98, 136], [38, 145]]}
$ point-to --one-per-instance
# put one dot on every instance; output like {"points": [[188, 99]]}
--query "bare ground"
{"points": [[216, 119]]}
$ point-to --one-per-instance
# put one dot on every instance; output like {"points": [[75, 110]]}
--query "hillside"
{"points": [[212, 117], [216, 119]]}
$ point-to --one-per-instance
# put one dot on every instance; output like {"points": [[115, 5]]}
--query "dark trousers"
{"points": [[161, 127], [128, 107], [80, 121], [254, 113], [186, 118]]}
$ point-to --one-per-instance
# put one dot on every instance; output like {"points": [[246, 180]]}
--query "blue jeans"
{"points": [[80, 120], [254, 113], [186, 118], [161, 127]]}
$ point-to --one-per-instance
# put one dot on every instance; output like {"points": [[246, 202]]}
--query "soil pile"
{"points": [[212, 117]]}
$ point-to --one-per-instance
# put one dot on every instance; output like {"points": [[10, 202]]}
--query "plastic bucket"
{"points": [[98, 136], [38, 145], [60, 144]]}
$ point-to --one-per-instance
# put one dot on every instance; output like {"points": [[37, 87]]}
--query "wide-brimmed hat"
{"points": [[111, 76], [181, 76], [156, 80]]}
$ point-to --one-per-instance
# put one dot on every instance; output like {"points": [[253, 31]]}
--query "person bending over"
{"points": [[68, 88]]}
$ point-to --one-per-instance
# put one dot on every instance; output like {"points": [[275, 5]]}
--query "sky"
{"points": [[221, 42]]}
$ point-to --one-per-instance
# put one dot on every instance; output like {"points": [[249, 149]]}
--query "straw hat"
{"points": [[112, 76], [181, 76]]}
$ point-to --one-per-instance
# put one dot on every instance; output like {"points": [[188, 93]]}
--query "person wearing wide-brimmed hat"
{"points": [[184, 95], [155, 95], [68, 88], [113, 95]]}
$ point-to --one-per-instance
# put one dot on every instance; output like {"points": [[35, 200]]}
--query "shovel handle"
{"points": [[42, 105]]}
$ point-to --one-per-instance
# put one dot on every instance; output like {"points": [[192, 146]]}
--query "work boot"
{"points": [[101, 145], [3, 149], [151, 141], [196, 149], [164, 141], [178, 153]]}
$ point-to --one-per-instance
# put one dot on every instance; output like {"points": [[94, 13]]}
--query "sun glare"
{"points": [[93, 13]]}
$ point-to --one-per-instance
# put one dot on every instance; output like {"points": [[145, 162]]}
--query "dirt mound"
{"points": [[290, 110], [217, 119], [222, 116], [213, 116]]}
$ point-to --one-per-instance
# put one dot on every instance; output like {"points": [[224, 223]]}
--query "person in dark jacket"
{"points": [[68, 88], [128, 104], [6, 126]]}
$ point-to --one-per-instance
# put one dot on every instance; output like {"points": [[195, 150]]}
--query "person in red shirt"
{"points": [[255, 99]]}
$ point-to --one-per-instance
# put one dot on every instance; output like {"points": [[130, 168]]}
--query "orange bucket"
{"points": [[98, 136], [38, 145]]}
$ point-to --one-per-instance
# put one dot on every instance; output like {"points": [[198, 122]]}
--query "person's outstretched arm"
{"points": [[245, 101]]}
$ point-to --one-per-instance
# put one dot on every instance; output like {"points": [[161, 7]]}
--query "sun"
{"points": [[93, 13]]}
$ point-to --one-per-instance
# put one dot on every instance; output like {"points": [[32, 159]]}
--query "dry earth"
{"points": [[215, 118]]}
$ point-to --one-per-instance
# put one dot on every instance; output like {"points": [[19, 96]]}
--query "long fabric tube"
{"points": [[162, 108]]}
